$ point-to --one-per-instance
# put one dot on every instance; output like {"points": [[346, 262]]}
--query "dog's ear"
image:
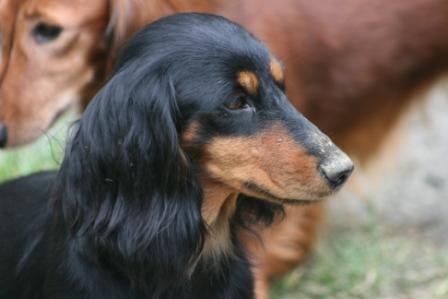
{"points": [[128, 16], [125, 182], [121, 23]]}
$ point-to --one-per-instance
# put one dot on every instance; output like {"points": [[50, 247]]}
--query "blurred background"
{"points": [[386, 235]]}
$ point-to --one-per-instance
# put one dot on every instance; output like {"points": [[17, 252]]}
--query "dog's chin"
{"points": [[290, 201], [32, 133], [18, 138], [251, 189]]}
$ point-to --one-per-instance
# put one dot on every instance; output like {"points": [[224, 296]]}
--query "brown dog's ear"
{"points": [[121, 24], [128, 16]]}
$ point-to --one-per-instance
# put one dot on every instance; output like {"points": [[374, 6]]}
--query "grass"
{"points": [[367, 261], [44, 154]]}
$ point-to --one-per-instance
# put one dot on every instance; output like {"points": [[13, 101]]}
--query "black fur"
{"points": [[125, 219]]}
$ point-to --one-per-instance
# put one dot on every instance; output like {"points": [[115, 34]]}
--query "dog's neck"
{"points": [[218, 207]]}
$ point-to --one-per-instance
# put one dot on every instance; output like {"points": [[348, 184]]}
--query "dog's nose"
{"points": [[3, 135], [337, 169]]}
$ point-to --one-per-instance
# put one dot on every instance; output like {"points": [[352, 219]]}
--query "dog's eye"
{"points": [[44, 32], [239, 103]]}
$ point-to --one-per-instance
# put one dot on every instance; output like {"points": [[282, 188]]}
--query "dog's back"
{"points": [[24, 207]]}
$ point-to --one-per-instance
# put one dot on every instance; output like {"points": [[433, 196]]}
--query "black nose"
{"points": [[337, 170], [3, 135]]}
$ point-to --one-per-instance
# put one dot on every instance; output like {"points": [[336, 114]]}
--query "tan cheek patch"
{"points": [[277, 71], [270, 159], [249, 81]]}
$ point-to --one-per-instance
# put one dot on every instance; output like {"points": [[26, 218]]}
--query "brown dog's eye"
{"points": [[44, 32], [238, 104]]}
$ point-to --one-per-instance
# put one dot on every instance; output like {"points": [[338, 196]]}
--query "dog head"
{"points": [[55, 55], [195, 101]]}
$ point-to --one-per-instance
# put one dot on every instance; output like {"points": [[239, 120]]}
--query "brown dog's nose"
{"points": [[337, 169], [3, 135]]}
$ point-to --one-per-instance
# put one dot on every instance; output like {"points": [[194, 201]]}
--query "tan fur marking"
{"points": [[271, 160], [190, 133], [218, 206], [249, 81], [277, 71]]}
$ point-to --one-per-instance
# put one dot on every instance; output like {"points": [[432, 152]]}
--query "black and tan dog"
{"points": [[159, 170]]}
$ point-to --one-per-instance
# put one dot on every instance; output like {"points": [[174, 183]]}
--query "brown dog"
{"points": [[352, 67]]}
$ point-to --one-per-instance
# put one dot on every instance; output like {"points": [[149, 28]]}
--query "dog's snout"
{"points": [[334, 166], [3, 135], [336, 169]]}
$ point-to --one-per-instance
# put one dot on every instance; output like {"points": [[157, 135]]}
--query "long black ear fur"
{"points": [[125, 185]]}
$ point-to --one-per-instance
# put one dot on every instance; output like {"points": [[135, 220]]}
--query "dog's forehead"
{"points": [[67, 13], [8, 5], [8, 11]]}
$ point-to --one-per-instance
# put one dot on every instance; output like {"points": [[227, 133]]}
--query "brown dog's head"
{"points": [[54, 55]]}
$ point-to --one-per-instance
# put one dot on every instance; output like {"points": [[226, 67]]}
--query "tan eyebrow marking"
{"points": [[249, 81], [277, 71]]}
